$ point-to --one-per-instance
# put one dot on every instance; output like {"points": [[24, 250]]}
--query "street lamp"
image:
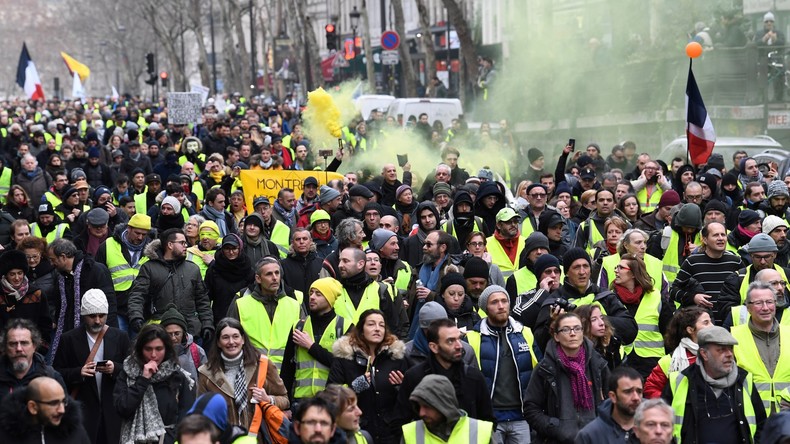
{"points": [[354, 16]]}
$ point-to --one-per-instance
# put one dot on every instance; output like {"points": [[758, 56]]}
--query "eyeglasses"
{"points": [[175, 334], [32, 257], [54, 402], [619, 267], [774, 283], [765, 303], [476, 244], [538, 195], [315, 422], [567, 330], [762, 257], [183, 242], [693, 198]]}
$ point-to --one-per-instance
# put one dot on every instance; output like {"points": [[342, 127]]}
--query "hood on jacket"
{"points": [[429, 205], [489, 189], [438, 392], [16, 421], [343, 348], [512, 327], [463, 196]]}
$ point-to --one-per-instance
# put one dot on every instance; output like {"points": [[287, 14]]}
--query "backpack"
{"points": [[268, 418], [193, 348]]}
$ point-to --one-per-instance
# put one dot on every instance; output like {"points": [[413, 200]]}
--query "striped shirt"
{"points": [[701, 273]]}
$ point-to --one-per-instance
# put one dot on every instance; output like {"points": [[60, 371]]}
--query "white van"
{"points": [[444, 110], [726, 146], [368, 102]]}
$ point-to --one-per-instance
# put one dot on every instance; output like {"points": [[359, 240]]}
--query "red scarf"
{"points": [[627, 296], [748, 233], [317, 235], [509, 245], [612, 248]]}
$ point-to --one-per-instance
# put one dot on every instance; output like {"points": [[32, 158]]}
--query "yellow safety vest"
{"points": [[265, 334], [57, 233], [467, 431], [525, 280], [747, 277], [748, 358], [593, 237], [58, 139], [344, 307], [652, 264], [679, 384], [121, 272], [651, 204], [141, 202], [671, 259], [311, 375], [53, 199], [740, 314], [473, 338], [183, 159], [526, 226], [280, 237], [500, 258], [5, 184], [649, 342], [194, 255], [403, 277]]}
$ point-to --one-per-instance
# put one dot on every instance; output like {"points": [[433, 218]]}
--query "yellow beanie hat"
{"points": [[328, 287]]}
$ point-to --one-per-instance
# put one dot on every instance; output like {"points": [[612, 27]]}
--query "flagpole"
{"points": [[688, 127]]}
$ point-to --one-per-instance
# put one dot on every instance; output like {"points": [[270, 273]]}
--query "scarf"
{"points": [[63, 306], [217, 176], [627, 296], [16, 292], [509, 245], [680, 358], [324, 237], [237, 270], [580, 389], [93, 244], [218, 217], [717, 385], [287, 215], [266, 165], [135, 251], [147, 425], [612, 248], [135, 157], [430, 275], [744, 232], [236, 367]]}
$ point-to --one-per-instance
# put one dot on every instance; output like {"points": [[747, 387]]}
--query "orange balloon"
{"points": [[693, 50]]}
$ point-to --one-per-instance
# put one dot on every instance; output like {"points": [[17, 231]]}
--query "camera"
{"points": [[565, 304]]}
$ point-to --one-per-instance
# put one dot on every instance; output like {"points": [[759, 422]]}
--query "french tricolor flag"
{"points": [[700, 135], [27, 76]]}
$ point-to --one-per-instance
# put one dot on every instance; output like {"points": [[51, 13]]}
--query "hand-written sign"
{"points": [[184, 108], [268, 183]]}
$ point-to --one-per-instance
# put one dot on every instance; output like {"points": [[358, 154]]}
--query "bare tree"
{"points": [[369, 70], [196, 15], [468, 51], [407, 68], [427, 39]]}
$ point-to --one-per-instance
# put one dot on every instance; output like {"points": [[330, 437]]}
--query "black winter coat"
{"points": [[378, 402], [224, 279], [17, 427], [173, 396], [299, 272], [548, 405], [9, 383], [71, 356], [32, 307]]}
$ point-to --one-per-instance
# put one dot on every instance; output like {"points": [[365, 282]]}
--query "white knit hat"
{"points": [[771, 223], [94, 301]]}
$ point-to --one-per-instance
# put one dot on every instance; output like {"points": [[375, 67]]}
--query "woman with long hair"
{"points": [[568, 384], [681, 338], [642, 297], [370, 360], [152, 392], [629, 206], [347, 413], [19, 298], [18, 205], [599, 330], [232, 371]]}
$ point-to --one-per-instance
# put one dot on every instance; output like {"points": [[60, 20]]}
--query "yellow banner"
{"points": [[75, 66], [268, 183]]}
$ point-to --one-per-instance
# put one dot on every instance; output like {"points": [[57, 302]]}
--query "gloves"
{"points": [[207, 334], [360, 384], [136, 325]]}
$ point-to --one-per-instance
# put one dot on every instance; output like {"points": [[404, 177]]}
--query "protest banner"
{"points": [[184, 108], [268, 183]]}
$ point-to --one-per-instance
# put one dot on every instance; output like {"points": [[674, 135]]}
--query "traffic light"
{"points": [[163, 76], [151, 80], [149, 61], [331, 37]]}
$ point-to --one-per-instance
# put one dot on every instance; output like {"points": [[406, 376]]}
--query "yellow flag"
{"points": [[267, 183], [75, 66]]}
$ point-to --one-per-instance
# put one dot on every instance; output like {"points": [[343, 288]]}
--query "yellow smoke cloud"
{"points": [[322, 117]]}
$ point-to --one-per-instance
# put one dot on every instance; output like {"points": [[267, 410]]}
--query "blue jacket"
{"points": [[520, 350]]}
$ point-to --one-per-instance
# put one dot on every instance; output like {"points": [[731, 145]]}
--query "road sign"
{"points": [[389, 57], [390, 40]]}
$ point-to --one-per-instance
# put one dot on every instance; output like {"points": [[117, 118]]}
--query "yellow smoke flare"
{"points": [[323, 112]]}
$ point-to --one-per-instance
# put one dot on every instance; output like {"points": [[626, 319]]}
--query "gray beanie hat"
{"points": [[430, 312], [173, 202], [379, 237], [777, 188], [483, 301], [536, 240], [327, 194], [761, 243]]}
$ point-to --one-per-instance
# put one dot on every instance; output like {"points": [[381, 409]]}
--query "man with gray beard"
{"points": [[90, 375], [20, 362]]}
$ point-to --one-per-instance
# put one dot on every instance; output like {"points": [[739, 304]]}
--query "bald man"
{"points": [[42, 412]]}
